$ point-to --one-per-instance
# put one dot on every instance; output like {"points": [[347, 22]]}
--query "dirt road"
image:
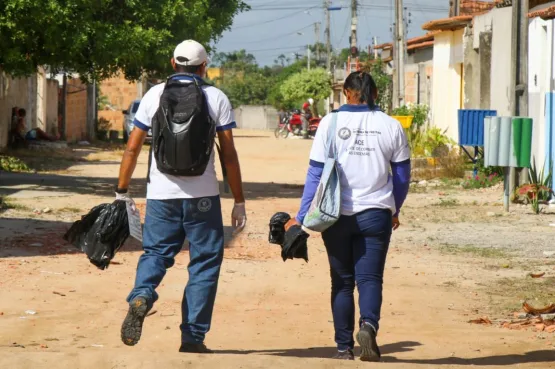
{"points": [[456, 258]]}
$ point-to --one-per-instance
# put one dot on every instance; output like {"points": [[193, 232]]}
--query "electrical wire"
{"points": [[271, 20]]}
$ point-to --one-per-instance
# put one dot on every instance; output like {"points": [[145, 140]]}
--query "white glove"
{"points": [[238, 218], [127, 198]]}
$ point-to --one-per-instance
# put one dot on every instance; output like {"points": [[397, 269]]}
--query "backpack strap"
{"points": [[149, 162]]}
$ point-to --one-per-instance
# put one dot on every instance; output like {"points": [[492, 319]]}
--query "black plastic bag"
{"points": [[101, 232], [295, 244], [277, 228]]}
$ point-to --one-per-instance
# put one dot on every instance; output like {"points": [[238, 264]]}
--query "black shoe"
{"points": [[195, 348], [366, 338], [344, 355], [132, 326]]}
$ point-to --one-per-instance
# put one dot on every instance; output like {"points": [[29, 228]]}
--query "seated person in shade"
{"points": [[32, 135]]}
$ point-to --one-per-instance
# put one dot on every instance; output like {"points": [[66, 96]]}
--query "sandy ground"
{"points": [[457, 257]]}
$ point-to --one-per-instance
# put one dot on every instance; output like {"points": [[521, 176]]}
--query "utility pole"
{"points": [[519, 74], [317, 34], [375, 50], [328, 35], [354, 21], [308, 57], [399, 51]]}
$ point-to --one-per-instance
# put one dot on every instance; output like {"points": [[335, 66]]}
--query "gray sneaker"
{"points": [[132, 326], [366, 338]]}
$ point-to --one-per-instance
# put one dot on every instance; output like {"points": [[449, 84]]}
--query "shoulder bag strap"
{"points": [[332, 150]]}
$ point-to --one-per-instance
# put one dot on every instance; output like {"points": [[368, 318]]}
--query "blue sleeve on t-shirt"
{"points": [[401, 183]]}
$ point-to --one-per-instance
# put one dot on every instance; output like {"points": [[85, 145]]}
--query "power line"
{"points": [[278, 36], [271, 20]]}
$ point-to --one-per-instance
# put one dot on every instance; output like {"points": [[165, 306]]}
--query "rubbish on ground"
{"points": [[83, 143], [483, 320], [536, 275], [95, 345], [550, 309], [101, 232], [58, 293], [47, 272], [152, 312], [46, 210], [549, 254], [36, 244], [30, 312]]}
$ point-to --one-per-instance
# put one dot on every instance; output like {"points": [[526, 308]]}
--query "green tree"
{"points": [[99, 38], [250, 89], [384, 82], [315, 83]]}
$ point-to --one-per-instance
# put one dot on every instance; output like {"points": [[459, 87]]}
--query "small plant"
{"points": [[103, 124], [13, 164], [481, 181], [539, 190], [447, 202], [452, 165]]}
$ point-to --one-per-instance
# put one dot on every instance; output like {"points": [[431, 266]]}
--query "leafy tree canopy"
{"points": [[98, 38], [314, 83]]}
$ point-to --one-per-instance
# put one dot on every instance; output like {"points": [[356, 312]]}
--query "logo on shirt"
{"points": [[344, 133], [204, 205]]}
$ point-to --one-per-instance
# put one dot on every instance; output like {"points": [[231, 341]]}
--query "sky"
{"points": [[274, 27]]}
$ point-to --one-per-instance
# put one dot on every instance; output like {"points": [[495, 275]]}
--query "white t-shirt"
{"points": [[367, 143], [163, 186]]}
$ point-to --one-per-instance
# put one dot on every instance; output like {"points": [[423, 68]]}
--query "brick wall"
{"points": [[76, 111], [120, 93]]}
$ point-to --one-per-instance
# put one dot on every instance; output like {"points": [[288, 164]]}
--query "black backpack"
{"points": [[183, 132]]}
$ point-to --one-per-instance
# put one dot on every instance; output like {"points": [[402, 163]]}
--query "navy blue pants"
{"points": [[167, 224], [357, 248]]}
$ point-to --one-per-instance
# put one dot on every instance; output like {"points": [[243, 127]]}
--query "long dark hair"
{"points": [[365, 85]]}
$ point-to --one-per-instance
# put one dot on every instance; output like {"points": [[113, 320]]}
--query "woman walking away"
{"points": [[368, 144]]}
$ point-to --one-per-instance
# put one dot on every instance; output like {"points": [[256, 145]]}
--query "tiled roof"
{"points": [[415, 40], [447, 24], [472, 7], [547, 13], [421, 45]]}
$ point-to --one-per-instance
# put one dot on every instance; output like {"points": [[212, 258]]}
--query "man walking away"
{"points": [[182, 193]]}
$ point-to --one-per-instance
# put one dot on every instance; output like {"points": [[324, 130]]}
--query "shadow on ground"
{"points": [[323, 352], [35, 237], [542, 356], [11, 183]]}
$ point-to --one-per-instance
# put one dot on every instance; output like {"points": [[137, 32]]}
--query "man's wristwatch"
{"points": [[121, 190]]}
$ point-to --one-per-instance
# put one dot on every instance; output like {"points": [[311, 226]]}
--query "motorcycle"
{"points": [[293, 124]]}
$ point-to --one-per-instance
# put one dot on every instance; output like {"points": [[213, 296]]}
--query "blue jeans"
{"points": [[357, 248], [167, 224]]}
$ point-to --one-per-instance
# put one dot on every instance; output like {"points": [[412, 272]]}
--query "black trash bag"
{"points": [[101, 232], [277, 228], [295, 244]]}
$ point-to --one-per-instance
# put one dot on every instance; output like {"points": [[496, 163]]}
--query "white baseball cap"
{"points": [[190, 52]]}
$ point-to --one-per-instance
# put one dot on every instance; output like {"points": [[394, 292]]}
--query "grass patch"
{"points": [[513, 291], [7, 204], [69, 209], [481, 252], [447, 203]]}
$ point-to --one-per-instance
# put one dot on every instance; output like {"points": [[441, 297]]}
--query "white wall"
{"points": [[259, 117], [501, 62], [446, 100]]}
